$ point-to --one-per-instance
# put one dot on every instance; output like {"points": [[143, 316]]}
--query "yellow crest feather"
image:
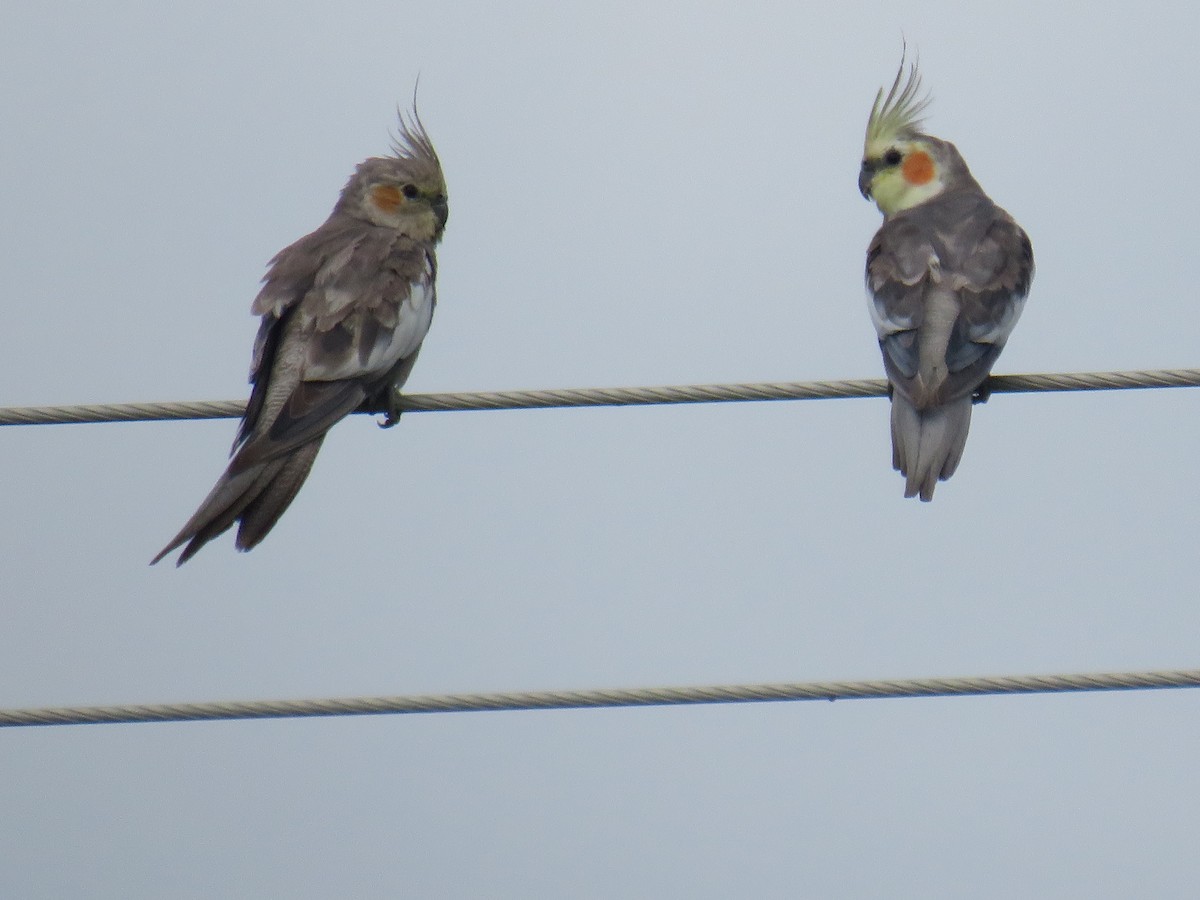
{"points": [[898, 115]]}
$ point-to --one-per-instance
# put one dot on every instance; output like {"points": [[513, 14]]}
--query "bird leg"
{"points": [[385, 401], [391, 407], [984, 392]]}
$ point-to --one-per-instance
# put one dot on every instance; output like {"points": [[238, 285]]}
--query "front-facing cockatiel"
{"points": [[344, 311], [947, 273]]}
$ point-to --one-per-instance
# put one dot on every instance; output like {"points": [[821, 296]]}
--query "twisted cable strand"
{"points": [[593, 699], [120, 412], [1095, 381], [580, 397]]}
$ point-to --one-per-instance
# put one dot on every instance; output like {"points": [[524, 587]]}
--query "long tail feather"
{"points": [[928, 444], [257, 496], [261, 514], [218, 521]]}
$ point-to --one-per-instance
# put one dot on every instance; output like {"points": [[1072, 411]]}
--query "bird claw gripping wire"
{"points": [[388, 403], [983, 393]]}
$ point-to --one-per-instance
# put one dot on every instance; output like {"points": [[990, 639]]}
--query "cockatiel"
{"points": [[344, 311], [947, 272]]}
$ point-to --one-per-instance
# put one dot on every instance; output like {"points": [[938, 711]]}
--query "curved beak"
{"points": [[865, 175], [441, 209]]}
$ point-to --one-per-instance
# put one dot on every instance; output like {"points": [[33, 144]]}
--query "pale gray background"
{"points": [[640, 194]]}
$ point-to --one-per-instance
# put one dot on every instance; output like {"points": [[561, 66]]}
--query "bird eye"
{"points": [[410, 191], [892, 157]]}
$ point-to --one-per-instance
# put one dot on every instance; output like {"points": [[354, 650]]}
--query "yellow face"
{"points": [[419, 210], [900, 174]]}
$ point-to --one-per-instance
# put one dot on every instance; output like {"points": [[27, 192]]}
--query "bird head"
{"points": [[405, 191], [902, 167]]}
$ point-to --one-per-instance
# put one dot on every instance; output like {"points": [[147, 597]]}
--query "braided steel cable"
{"points": [[595, 699], [581, 397]]}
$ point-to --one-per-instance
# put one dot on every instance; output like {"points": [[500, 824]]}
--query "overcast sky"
{"points": [[641, 193]]}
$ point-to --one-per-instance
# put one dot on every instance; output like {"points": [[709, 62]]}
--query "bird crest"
{"points": [[898, 115], [412, 144]]}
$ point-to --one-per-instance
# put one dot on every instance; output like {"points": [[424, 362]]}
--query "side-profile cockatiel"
{"points": [[344, 311]]}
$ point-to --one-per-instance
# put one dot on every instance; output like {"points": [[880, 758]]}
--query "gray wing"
{"points": [[345, 310], [973, 264], [332, 339]]}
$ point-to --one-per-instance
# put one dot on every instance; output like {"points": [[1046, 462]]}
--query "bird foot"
{"points": [[387, 402], [983, 392]]}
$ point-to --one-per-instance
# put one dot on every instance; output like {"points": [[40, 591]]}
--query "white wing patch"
{"points": [[413, 320], [997, 332], [885, 324], [416, 313]]}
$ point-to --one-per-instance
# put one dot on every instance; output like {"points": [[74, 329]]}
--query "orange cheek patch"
{"points": [[387, 197], [917, 168]]}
